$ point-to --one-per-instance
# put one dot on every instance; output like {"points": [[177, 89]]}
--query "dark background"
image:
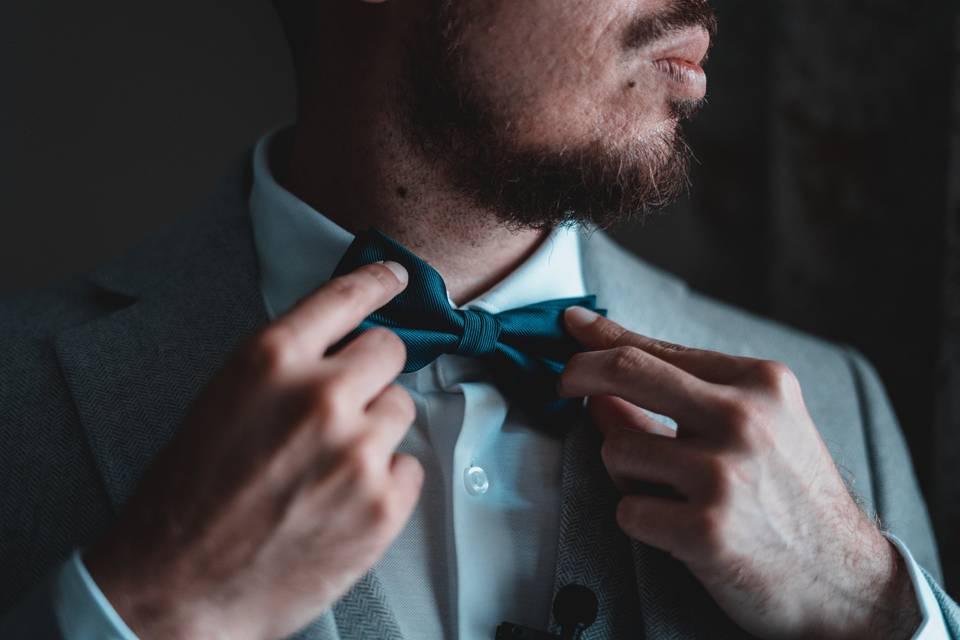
{"points": [[827, 194]]}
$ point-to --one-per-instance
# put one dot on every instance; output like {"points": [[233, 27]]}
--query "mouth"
{"points": [[680, 58]]}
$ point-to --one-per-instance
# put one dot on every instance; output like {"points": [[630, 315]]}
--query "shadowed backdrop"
{"points": [[826, 195]]}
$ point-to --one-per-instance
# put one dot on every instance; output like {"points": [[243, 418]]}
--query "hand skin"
{"points": [[281, 488], [757, 509]]}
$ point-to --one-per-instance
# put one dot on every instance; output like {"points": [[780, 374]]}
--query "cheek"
{"points": [[612, 106], [559, 76]]}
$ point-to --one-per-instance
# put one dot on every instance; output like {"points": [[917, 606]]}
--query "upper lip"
{"points": [[689, 45]]}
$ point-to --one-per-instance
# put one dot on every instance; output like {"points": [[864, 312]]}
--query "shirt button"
{"points": [[475, 478]]}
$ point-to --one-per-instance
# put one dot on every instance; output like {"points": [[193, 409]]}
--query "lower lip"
{"points": [[688, 80]]}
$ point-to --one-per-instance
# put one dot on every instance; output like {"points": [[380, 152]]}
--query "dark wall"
{"points": [[118, 115], [820, 198]]}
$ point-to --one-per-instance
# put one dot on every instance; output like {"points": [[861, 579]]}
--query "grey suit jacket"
{"points": [[98, 371]]}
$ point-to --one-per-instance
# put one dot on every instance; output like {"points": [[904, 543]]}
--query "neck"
{"points": [[357, 167]]}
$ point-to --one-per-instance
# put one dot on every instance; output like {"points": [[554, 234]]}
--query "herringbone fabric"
{"points": [[365, 614], [642, 591], [362, 614], [592, 550]]}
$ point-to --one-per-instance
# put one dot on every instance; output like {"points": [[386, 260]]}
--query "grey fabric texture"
{"points": [[591, 550], [99, 372]]}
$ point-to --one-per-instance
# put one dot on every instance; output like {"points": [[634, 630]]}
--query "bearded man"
{"points": [[393, 381]]}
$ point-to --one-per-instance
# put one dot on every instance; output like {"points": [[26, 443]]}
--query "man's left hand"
{"points": [[750, 498]]}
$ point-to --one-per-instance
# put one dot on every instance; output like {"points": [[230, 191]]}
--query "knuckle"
{"points": [[390, 346], [396, 407], [625, 359], [615, 334], [418, 473], [382, 509], [738, 416], [349, 289], [747, 423], [361, 467], [775, 377], [665, 346], [415, 466], [328, 400], [272, 351], [406, 408]]}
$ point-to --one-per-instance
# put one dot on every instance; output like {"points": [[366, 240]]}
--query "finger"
{"points": [[336, 308], [389, 417], [660, 522], [640, 378], [407, 480], [611, 413], [391, 413], [635, 459], [598, 333], [369, 362]]}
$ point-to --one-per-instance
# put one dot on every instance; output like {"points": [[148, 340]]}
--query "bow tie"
{"points": [[527, 347]]}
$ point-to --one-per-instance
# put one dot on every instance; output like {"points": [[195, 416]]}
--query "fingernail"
{"points": [[397, 269], [579, 317]]}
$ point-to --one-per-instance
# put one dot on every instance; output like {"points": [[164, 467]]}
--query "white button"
{"points": [[475, 478]]}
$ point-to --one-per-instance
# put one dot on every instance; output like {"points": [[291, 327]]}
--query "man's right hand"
{"points": [[281, 488]]}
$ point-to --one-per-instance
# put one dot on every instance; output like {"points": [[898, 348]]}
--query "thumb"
{"points": [[592, 330]]}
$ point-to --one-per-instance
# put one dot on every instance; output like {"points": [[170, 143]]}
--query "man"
{"points": [[198, 443]]}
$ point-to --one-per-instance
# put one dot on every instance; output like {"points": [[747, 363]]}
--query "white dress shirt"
{"points": [[480, 547]]}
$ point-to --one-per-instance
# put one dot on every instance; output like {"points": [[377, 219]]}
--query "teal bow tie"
{"points": [[528, 347]]}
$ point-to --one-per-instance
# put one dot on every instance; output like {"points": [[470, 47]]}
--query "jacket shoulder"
{"points": [[52, 497], [657, 303]]}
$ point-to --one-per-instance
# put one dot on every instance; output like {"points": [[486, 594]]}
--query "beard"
{"points": [[466, 132]]}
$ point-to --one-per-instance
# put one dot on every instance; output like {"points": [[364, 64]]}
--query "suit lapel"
{"points": [[133, 373], [672, 603]]}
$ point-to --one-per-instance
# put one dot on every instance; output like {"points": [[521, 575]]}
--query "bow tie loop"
{"points": [[481, 331], [527, 347]]}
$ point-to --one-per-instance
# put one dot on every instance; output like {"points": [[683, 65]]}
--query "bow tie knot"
{"points": [[481, 331], [530, 341]]}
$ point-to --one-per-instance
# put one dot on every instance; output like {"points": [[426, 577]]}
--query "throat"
{"points": [[410, 201], [471, 269]]}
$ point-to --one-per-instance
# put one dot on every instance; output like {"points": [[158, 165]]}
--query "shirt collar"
{"points": [[298, 249]]}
